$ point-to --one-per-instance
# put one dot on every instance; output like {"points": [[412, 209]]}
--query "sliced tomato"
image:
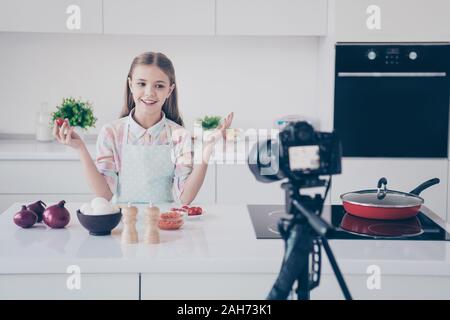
{"points": [[194, 211]]}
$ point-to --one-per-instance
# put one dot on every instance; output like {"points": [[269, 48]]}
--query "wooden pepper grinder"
{"points": [[151, 225], [129, 232]]}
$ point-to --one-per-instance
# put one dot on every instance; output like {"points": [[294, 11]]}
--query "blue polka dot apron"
{"points": [[147, 171]]}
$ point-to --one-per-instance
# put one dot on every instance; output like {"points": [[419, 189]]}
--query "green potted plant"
{"points": [[207, 124], [78, 112]]}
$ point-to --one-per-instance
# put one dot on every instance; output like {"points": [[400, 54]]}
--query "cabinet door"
{"points": [[206, 286], [400, 20], [392, 287], [54, 286], [207, 193], [66, 16], [237, 185], [401, 174], [170, 17], [272, 17], [26, 179], [54, 177]]}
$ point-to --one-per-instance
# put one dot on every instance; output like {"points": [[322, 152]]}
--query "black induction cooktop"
{"points": [[346, 226]]}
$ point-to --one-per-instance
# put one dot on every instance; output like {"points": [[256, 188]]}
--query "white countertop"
{"points": [[222, 241]]}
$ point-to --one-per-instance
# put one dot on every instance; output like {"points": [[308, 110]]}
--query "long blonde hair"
{"points": [[170, 106]]}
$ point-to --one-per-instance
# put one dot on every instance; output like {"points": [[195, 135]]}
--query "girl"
{"points": [[145, 155]]}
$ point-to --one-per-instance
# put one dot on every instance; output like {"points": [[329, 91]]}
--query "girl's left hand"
{"points": [[219, 133], [221, 130], [226, 124]]}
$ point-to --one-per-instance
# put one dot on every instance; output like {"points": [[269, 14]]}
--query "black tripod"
{"points": [[304, 234]]}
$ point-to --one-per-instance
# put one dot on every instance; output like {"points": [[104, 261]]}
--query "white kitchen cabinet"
{"points": [[207, 193], [401, 174], [392, 287], [29, 176], [237, 185], [54, 287], [56, 180], [60, 16], [162, 286], [400, 20], [222, 286], [272, 17], [151, 17]]}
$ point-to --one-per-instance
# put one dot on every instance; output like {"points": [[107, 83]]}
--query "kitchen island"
{"points": [[215, 257]]}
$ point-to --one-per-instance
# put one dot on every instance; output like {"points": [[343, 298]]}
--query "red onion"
{"points": [[56, 216], [25, 218], [37, 207]]}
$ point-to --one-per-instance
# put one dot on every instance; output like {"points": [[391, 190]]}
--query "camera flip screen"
{"points": [[304, 158]]}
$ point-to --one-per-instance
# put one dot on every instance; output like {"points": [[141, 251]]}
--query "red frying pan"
{"points": [[385, 204]]}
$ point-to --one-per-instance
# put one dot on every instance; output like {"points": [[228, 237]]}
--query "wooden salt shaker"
{"points": [[129, 232], [151, 225]]}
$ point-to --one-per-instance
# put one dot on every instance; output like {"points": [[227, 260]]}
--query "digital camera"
{"points": [[300, 154]]}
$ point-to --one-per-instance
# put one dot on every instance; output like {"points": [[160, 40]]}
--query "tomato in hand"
{"points": [[60, 122]]}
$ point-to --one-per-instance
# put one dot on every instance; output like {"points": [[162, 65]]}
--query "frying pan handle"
{"points": [[424, 186], [381, 182], [381, 193]]}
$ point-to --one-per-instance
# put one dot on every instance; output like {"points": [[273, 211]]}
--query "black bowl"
{"points": [[100, 225]]}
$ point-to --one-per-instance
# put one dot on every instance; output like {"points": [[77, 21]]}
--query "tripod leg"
{"points": [[293, 266], [302, 291], [336, 269]]}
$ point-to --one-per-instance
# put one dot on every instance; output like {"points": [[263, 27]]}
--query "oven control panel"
{"points": [[392, 55]]}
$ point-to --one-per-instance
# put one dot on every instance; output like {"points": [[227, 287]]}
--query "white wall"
{"points": [[259, 78]]}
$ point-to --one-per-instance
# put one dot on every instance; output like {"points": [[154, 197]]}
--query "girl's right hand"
{"points": [[66, 135]]}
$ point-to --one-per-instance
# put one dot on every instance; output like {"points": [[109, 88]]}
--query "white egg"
{"points": [[99, 202], [86, 208], [108, 209]]}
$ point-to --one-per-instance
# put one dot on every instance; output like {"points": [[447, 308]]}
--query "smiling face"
{"points": [[150, 87]]}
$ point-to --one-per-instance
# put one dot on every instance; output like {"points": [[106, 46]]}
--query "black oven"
{"points": [[392, 100]]}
